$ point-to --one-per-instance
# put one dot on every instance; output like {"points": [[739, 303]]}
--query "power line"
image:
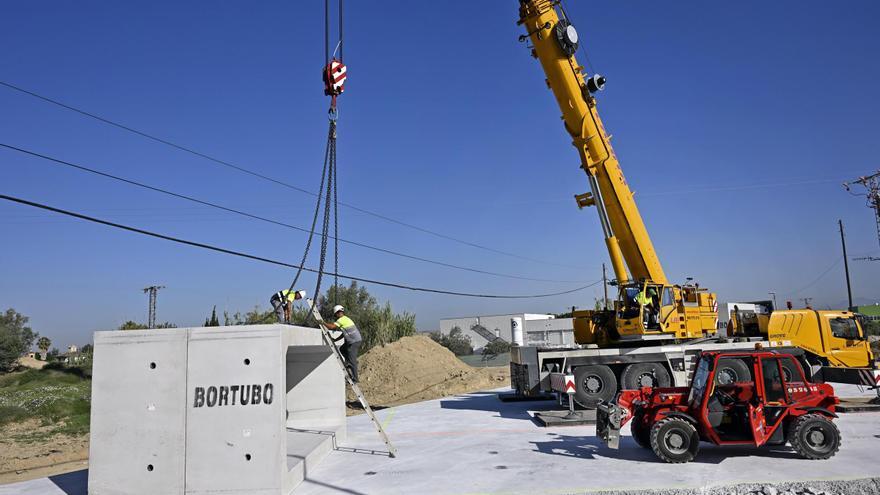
{"points": [[817, 279], [83, 168], [271, 179], [281, 263]]}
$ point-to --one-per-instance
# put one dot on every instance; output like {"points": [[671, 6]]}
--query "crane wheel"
{"points": [[675, 440], [732, 370], [814, 436], [636, 376], [594, 384], [641, 432]]}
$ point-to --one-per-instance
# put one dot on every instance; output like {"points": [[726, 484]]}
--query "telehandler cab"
{"points": [[771, 405]]}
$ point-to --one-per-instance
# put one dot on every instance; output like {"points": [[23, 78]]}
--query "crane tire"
{"points": [[636, 376], [641, 433], [594, 384], [789, 371], [675, 440], [814, 436], [731, 370]]}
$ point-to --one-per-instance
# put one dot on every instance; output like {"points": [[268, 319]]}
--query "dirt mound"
{"points": [[416, 368]]}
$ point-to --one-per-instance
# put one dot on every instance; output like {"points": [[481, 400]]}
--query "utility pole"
{"points": [[153, 290], [773, 295], [605, 286], [871, 183], [845, 265]]}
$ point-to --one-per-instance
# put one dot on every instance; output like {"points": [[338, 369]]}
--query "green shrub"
{"points": [[56, 397], [455, 341]]}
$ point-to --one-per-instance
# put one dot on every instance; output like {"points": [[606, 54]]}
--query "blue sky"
{"points": [[735, 124]]}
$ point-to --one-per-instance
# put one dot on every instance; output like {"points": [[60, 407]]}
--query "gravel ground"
{"points": [[869, 486]]}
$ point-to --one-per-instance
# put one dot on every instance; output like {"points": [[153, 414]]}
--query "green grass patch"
{"points": [[60, 399]]}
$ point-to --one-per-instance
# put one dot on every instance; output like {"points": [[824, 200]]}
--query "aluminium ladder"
{"points": [[392, 452]]}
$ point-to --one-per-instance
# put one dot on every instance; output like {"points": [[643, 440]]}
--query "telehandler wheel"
{"points": [[675, 440], [594, 384], [732, 370], [641, 433], [636, 376], [814, 436]]}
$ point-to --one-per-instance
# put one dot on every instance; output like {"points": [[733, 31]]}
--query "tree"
{"points": [[133, 325], [87, 349], [44, 344], [213, 321], [494, 348], [16, 338], [379, 325], [455, 341]]}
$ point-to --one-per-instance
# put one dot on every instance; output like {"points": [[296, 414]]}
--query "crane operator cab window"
{"points": [[845, 328], [630, 302]]}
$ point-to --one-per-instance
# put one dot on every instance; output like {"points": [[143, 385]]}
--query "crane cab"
{"points": [[647, 310]]}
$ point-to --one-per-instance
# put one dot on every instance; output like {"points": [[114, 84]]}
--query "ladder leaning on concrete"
{"points": [[392, 452]]}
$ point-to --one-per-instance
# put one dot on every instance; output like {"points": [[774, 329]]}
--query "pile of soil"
{"points": [[416, 368]]}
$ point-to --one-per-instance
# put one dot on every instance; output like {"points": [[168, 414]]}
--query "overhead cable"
{"points": [[281, 263], [269, 220], [279, 182]]}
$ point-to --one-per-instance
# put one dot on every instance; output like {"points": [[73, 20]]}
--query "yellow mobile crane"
{"points": [[648, 307], [618, 346]]}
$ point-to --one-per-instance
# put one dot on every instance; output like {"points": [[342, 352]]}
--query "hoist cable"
{"points": [[326, 31], [281, 263], [341, 43], [269, 220], [335, 235], [314, 217]]}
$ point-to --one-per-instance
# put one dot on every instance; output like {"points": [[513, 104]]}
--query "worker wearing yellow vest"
{"points": [[352, 339], [281, 302]]}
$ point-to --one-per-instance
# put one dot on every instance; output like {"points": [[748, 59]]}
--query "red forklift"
{"points": [[772, 404]]}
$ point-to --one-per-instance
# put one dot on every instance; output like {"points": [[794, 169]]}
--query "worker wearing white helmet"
{"points": [[352, 336]]}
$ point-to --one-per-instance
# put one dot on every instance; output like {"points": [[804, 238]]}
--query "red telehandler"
{"points": [[777, 405]]}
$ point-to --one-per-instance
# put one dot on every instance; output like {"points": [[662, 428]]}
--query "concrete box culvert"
{"points": [[239, 409]]}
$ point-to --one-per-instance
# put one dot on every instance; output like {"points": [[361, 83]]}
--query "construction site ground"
{"points": [[475, 443]]}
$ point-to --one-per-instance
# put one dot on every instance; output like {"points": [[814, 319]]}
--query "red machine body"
{"points": [[776, 405]]}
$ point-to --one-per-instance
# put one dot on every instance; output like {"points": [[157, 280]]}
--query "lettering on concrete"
{"points": [[234, 395]]}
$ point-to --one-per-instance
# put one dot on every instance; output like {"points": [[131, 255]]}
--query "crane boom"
{"points": [[555, 42]]}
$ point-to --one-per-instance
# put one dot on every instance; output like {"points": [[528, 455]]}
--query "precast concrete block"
{"points": [[237, 409]]}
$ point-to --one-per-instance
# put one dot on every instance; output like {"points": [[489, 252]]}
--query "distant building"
{"points": [[72, 356], [539, 329]]}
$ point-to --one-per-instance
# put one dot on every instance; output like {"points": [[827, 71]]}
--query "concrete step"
{"points": [[305, 449]]}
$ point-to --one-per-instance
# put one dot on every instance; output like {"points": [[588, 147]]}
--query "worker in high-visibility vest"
{"points": [[281, 302], [352, 339]]}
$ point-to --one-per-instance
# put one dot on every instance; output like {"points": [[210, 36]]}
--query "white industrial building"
{"points": [[538, 329]]}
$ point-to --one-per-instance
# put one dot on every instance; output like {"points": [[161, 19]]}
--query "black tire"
{"points": [[814, 436], [640, 432], [675, 440], [594, 384], [732, 370], [636, 376]]}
